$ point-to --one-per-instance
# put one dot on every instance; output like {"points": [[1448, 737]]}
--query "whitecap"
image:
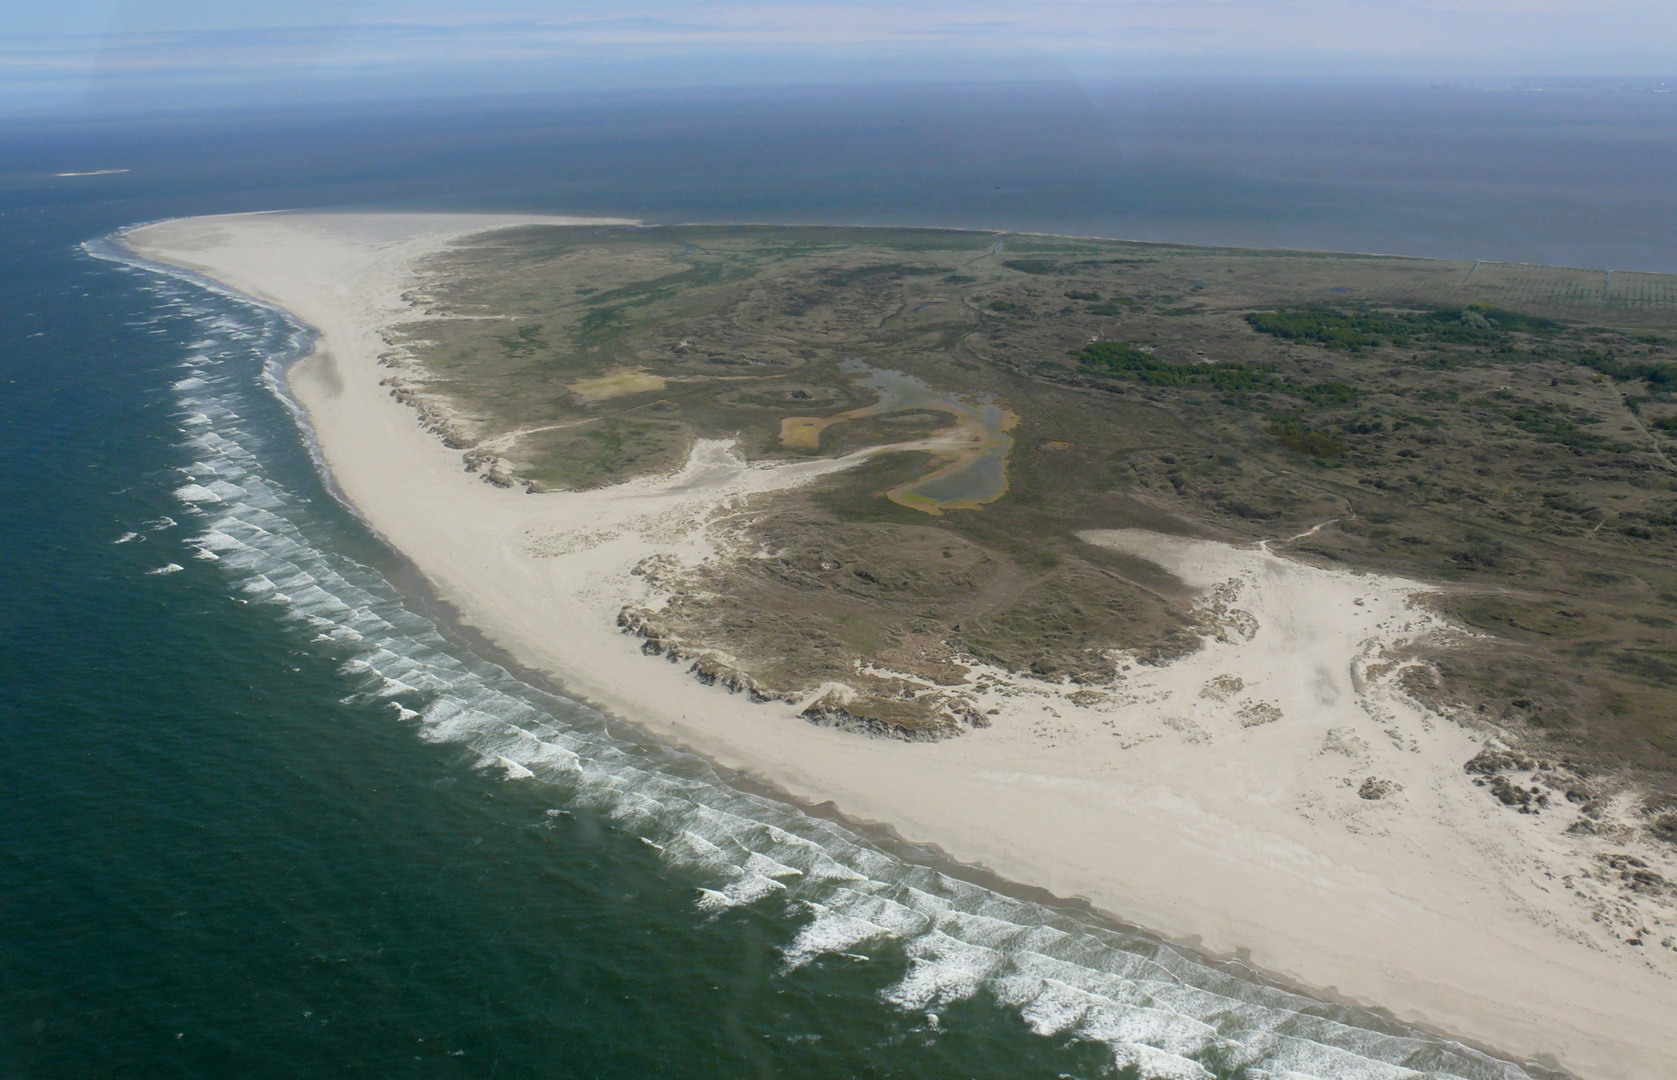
{"points": [[167, 568], [513, 770], [196, 493], [828, 933], [1151, 1064]]}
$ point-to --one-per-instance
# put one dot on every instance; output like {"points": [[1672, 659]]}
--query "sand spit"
{"points": [[1275, 792]]}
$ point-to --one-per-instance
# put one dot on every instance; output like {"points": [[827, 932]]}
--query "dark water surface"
{"points": [[255, 809]]}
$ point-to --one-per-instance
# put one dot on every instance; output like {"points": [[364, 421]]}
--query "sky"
{"points": [[112, 55]]}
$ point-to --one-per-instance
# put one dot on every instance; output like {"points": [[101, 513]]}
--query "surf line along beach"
{"points": [[1435, 904]]}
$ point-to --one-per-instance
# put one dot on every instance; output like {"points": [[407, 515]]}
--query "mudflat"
{"points": [[1304, 604]]}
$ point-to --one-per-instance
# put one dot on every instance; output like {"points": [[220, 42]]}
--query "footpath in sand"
{"points": [[1274, 793]]}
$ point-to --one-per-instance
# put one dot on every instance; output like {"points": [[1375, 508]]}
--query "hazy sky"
{"points": [[114, 53]]}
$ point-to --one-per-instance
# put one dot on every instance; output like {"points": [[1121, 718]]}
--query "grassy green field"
{"points": [[1501, 431]]}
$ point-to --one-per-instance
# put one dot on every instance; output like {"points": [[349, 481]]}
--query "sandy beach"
{"points": [[1273, 795]]}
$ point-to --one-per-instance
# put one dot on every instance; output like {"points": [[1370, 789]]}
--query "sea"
{"points": [[265, 811]]}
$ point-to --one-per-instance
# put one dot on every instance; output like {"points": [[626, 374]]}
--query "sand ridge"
{"points": [[1275, 792]]}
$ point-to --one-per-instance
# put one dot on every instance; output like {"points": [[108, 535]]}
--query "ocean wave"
{"points": [[1162, 1012]]}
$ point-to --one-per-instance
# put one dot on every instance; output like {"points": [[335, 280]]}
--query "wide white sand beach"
{"points": [[1217, 800]]}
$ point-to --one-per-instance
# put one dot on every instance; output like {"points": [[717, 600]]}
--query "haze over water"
{"points": [[257, 819]]}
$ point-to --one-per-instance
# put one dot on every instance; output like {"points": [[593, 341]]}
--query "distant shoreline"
{"points": [[1188, 841]]}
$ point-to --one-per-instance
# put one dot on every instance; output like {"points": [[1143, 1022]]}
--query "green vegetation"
{"points": [[1121, 359], [523, 342], [1660, 375], [1326, 327], [1326, 394], [599, 319], [1315, 443], [1035, 266], [1500, 319], [1476, 324], [858, 275], [1551, 425], [1506, 433]]}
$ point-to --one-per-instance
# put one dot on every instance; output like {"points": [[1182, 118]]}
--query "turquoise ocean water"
{"points": [[263, 812]]}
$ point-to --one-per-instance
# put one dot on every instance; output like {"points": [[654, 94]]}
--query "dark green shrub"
{"points": [[1295, 436]]}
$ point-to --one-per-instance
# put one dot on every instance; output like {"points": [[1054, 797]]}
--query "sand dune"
{"points": [[1275, 792]]}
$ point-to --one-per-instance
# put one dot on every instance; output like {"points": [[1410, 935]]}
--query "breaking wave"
{"points": [[1163, 1012]]}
